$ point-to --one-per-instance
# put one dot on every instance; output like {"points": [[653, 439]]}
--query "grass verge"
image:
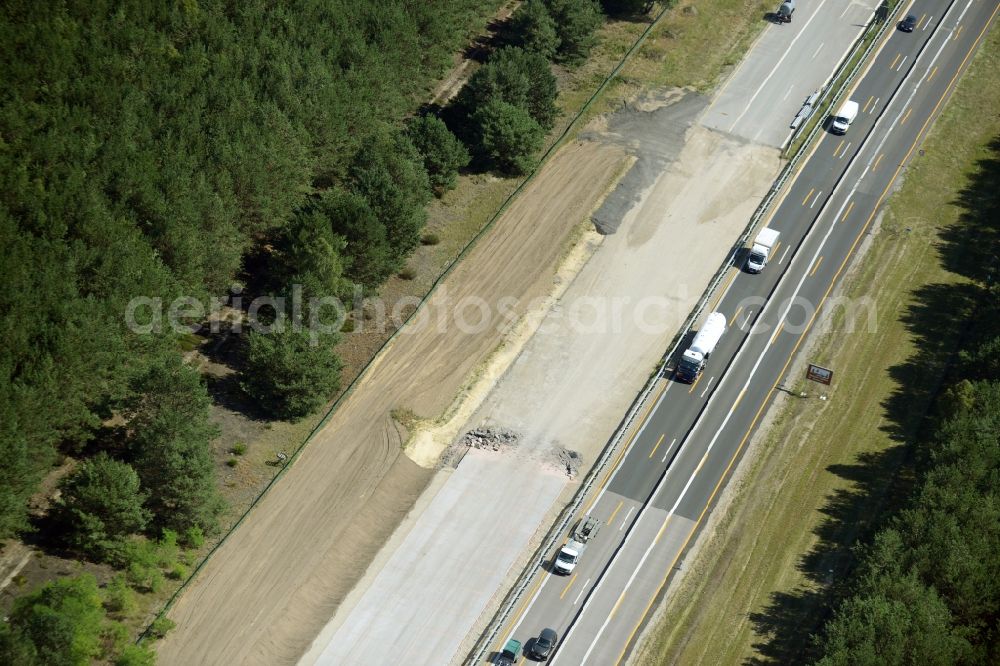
{"points": [[819, 477]]}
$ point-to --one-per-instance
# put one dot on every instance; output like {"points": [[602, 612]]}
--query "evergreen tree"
{"points": [[534, 30], [926, 590], [576, 22], [291, 373], [629, 7], [167, 415], [442, 152], [389, 173], [310, 254], [517, 77], [101, 505], [162, 145], [370, 259], [15, 648], [18, 476], [509, 136], [904, 622]]}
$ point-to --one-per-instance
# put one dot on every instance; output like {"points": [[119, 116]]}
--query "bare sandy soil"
{"points": [[268, 590]]}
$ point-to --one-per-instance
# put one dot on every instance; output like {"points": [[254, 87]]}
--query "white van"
{"points": [[844, 117]]}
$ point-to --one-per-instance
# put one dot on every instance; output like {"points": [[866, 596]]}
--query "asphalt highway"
{"points": [[658, 493]]}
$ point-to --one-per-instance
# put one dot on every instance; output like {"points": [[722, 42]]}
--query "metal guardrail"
{"points": [[818, 109], [556, 532]]}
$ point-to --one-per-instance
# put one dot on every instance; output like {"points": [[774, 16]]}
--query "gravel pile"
{"points": [[568, 461], [492, 439]]}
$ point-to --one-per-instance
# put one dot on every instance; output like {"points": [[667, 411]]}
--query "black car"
{"points": [[908, 24], [543, 646]]}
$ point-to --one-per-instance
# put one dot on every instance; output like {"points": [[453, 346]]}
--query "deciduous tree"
{"points": [[62, 620]]}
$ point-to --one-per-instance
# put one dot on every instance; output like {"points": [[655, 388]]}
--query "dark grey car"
{"points": [[908, 23], [543, 646]]}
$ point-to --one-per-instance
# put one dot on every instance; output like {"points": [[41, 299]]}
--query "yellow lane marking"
{"points": [[618, 603], [808, 195], [732, 276], [568, 585], [815, 266], [870, 100], [658, 442], [625, 448], [615, 512], [593, 498], [694, 384], [959, 31], [894, 61], [836, 150], [921, 21], [833, 281], [847, 212], [777, 332], [931, 75], [663, 528], [738, 398], [877, 160], [737, 314], [520, 610], [906, 115]]}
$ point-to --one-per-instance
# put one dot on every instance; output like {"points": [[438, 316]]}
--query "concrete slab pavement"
{"points": [[421, 604], [788, 63]]}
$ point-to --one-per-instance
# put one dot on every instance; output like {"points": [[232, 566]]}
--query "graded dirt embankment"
{"points": [[268, 590]]}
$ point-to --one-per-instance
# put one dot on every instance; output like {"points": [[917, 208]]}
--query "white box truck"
{"points": [[844, 117], [693, 360], [761, 250]]}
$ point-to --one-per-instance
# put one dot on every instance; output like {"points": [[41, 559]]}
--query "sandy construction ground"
{"points": [[675, 216], [270, 588]]}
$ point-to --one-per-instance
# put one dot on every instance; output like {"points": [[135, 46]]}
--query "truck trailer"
{"points": [[693, 360]]}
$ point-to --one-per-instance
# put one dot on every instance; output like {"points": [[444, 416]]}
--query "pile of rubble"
{"points": [[568, 461], [491, 439]]}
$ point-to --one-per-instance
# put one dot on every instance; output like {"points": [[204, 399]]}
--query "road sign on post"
{"points": [[819, 374]]}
